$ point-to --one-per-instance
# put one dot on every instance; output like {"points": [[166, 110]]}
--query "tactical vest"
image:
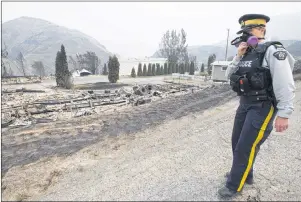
{"points": [[251, 79]]}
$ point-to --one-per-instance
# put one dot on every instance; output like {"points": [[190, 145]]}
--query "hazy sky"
{"points": [[134, 29]]}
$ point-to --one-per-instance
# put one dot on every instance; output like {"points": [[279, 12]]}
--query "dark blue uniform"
{"points": [[263, 80], [252, 126]]}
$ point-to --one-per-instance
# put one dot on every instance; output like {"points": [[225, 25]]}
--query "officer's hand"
{"points": [[281, 124], [242, 49]]}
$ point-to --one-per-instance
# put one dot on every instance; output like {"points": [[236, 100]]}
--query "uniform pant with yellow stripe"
{"points": [[252, 126]]}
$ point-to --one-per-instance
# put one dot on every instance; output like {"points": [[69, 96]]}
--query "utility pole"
{"points": [[227, 45]]}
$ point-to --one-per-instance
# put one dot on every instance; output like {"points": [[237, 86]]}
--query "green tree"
{"points": [[144, 73], [158, 70], [173, 67], [90, 60], [20, 63], [4, 54], [177, 68], [203, 67], [186, 67], [62, 74], [133, 73], [165, 69], [153, 70], [173, 46], [113, 69], [64, 62], [162, 70], [191, 69], [140, 73], [149, 69], [182, 68], [169, 68], [105, 69], [211, 59], [39, 68]]}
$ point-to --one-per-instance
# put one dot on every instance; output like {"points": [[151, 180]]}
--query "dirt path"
{"points": [[169, 157], [185, 160]]}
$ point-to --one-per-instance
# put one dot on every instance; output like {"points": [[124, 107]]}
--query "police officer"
{"points": [[261, 74]]}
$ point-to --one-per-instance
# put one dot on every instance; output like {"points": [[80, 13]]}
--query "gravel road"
{"points": [[184, 159]]}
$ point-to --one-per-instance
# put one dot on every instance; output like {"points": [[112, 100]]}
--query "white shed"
{"points": [[82, 72], [219, 70]]}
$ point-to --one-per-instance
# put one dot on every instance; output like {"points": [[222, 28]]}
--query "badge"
{"points": [[280, 55]]}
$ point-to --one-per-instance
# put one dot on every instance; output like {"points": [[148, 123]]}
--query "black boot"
{"points": [[225, 192], [249, 180]]}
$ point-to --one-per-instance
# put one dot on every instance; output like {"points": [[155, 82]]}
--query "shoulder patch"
{"points": [[278, 46], [280, 55]]}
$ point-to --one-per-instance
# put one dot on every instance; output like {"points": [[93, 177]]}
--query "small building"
{"points": [[82, 72], [219, 70]]}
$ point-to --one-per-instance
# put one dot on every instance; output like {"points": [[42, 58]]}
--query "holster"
{"points": [[234, 82], [244, 85]]}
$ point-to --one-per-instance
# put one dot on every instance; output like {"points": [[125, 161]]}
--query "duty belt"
{"points": [[255, 93], [255, 96]]}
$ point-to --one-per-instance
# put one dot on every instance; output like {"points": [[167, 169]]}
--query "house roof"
{"points": [[86, 71]]}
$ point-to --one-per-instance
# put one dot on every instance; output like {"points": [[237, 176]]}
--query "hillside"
{"points": [[295, 49], [40, 40], [285, 27], [282, 28], [202, 52]]}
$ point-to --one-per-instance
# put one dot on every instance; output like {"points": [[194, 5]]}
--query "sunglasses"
{"points": [[260, 28]]}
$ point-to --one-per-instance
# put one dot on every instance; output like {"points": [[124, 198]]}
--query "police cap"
{"points": [[252, 20]]}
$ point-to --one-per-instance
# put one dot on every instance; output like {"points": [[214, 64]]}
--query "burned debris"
{"points": [[23, 107]]}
